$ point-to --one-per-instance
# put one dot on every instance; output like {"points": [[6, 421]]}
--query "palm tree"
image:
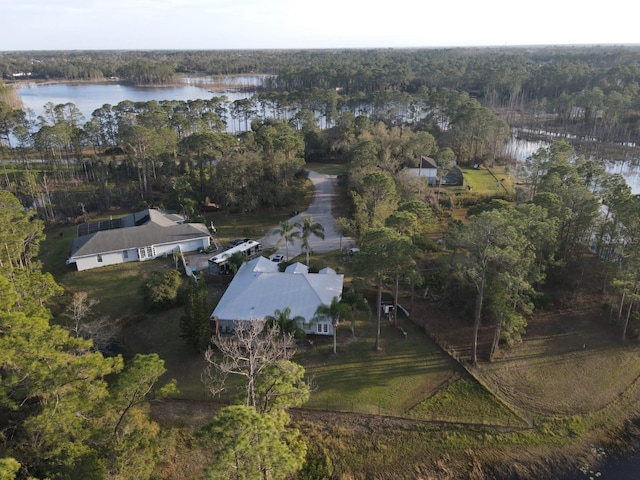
{"points": [[308, 228], [288, 234], [356, 302], [289, 327], [343, 228], [335, 310]]}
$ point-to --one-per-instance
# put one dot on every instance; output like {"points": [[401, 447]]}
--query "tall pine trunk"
{"points": [[476, 321], [376, 346]]}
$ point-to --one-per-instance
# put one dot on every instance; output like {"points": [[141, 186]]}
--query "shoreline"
{"points": [[217, 86]]}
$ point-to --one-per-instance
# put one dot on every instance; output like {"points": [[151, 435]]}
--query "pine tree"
{"points": [[194, 323]]}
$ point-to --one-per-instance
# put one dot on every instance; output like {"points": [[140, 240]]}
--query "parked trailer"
{"points": [[220, 265]]}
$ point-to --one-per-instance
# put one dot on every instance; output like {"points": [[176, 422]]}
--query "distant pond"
{"points": [[88, 97]]}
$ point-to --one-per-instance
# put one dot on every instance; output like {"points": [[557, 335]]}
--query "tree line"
{"points": [[71, 409], [67, 410], [591, 90], [130, 151], [508, 256]]}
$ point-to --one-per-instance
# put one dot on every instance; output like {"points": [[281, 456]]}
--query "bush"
{"points": [[162, 290]]}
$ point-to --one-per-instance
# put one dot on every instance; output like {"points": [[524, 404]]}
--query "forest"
{"points": [[493, 258], [600, 81]]}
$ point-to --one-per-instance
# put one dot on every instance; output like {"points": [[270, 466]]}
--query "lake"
{"points": [[88, 97], [612, 469], [626, 162]]}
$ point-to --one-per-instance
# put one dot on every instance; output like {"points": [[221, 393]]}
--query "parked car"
{"points": [[236, 242], [278, 258]]}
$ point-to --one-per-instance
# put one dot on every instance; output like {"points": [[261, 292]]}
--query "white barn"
{"points": [[259, 289], [427, 167], [137, 237]]}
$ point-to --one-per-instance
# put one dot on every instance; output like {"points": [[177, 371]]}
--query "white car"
{"points": [[278, 258]]}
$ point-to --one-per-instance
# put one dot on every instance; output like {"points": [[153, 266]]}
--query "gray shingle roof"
{"points": [[161, 228]]}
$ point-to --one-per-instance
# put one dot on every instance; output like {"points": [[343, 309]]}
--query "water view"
{"points": [[90, 96], [626, 163]]}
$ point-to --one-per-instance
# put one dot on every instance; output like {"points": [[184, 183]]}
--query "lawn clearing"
{"points": [[160, 333], [357, 379], [326, 168], [389, 382], [115, 287], [486, 181], [464, 399]]}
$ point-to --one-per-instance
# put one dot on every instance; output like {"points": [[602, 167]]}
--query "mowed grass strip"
{"points": [[465, 400]]}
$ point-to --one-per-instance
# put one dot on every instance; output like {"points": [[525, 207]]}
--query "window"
{"points": [[319, 328], [125, 254], [148, 252], [323, 328], [99, 258]]}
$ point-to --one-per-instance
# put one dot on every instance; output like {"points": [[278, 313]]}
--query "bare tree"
{"points": [[250, 353], [101, 330]]}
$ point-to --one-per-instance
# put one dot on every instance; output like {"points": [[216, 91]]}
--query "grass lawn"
{"points": [[464, 399], [568, 364], [399, 380], [482, 182], [488, 181], [160, 333], [390, 381], [327, 168]]}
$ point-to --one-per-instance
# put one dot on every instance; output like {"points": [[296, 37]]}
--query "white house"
{"points": [[427, 167], [137, 237], [259, 289]]}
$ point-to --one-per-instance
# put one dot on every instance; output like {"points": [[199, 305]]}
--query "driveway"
{"points": [[320, 211]]}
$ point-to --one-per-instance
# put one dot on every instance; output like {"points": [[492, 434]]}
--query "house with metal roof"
{"points": [[259, 288], [137, 237]]}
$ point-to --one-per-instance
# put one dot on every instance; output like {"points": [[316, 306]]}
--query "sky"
{"points": [[302, 24]]}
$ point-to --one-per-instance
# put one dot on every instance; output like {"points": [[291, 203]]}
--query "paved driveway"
{"points": [[320, 211]]}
